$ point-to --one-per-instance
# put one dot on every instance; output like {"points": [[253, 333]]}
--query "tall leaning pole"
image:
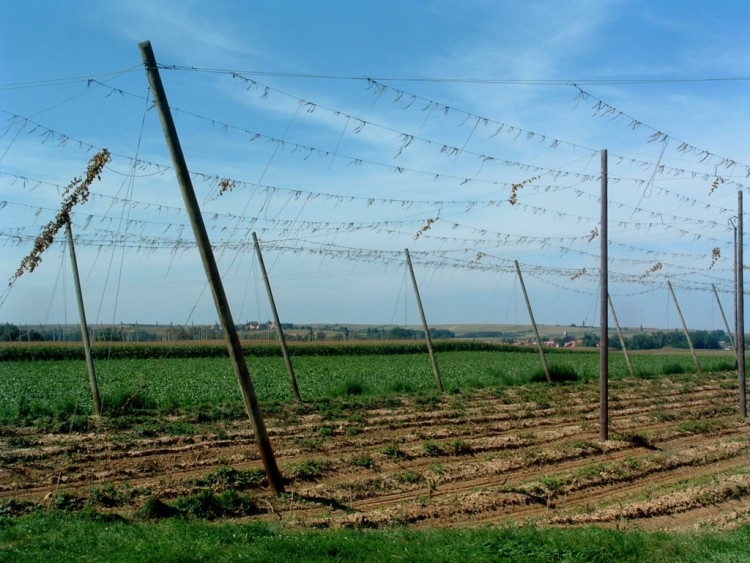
{"points": [[539, 345], [273, 474], [428, 338], [603, 308], [85, 338], [277, 320]]}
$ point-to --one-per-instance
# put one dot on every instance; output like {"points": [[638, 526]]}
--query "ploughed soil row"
{"points": [[678, 457]]}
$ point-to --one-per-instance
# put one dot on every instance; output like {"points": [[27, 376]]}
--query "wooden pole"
{"points": [[622, 338], [736, 317], [533, 324], [604, 338], [685, 329], [84, 326], [726, 323], [428, 338], [279, 329], [741, 308], [273, 474]]}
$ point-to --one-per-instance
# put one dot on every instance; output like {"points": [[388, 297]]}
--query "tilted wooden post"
{"points": [[726, 323], [279, 330], [212, 271], [428, 338], [685, 329], [84, 326], [533, 324], [622, 338], [735, 308]]}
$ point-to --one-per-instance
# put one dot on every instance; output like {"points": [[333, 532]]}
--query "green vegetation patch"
{"points": [[310, 470], [142, 351], [559, 373], [210, 506], [55, 396], [224, 476], [71, 537]]}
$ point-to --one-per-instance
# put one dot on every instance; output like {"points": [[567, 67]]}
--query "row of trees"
{"points": [[11, 333], [250, 331], [72, 333], [702, 340]]}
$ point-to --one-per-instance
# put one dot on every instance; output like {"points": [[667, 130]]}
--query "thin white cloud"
{"points": [[527, 40], [183, 29]]}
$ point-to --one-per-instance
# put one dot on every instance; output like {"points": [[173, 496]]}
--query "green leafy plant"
{"points": [[310, 470], [408, 477], [559, 373], [225, 476], [67, 501], [392, 450], [363, 461], [209, 506], [459, 447], [432, 448], [108, 495]]}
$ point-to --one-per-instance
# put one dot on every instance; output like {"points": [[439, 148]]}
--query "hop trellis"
{"points": [[447, 217]]}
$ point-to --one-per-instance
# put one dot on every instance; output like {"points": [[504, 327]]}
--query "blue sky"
{"points": [[337, 174]]}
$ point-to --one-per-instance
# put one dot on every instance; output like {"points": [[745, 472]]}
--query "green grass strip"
{"points": [[57, 536]]}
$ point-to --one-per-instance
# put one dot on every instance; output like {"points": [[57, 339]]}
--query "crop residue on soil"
{"points": [[679, 458]]}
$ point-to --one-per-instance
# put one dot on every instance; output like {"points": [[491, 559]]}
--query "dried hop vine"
{"points": [[715, 184], [655, 268], [715, 255], [513, 199], [476, 259], [75, 193], [226, 185], [426, 227]]}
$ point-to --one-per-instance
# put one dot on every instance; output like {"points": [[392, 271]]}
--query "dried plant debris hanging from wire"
{"points": [[715, 184], [715, 255], [426, 227], [476, 259], [76, 192], [578, 274], [655, 268], [513, 199], [226, 185]]}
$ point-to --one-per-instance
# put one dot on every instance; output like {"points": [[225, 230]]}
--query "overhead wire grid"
{"points": [[358, 173]]}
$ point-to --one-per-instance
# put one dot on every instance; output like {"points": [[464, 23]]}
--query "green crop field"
{"points": [[171, 470], [34, 389]]}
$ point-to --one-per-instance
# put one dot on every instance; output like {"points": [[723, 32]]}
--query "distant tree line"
{"points": [[250, 331], [702, 340], [11, 333], [400, 333]]}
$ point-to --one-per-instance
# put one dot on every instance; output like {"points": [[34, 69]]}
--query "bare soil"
{"points": [[678, 457]]}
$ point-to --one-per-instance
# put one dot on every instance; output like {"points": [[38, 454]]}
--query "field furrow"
{"points": [[678, 456]]}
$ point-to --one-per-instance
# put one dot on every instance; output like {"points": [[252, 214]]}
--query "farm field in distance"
{"points": [[373, 445]]}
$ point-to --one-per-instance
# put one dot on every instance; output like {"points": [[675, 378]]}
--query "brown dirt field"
{"points": [[678, 458]]}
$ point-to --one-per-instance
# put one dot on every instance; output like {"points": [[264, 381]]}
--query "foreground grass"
{"points": [[57, 536]]}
